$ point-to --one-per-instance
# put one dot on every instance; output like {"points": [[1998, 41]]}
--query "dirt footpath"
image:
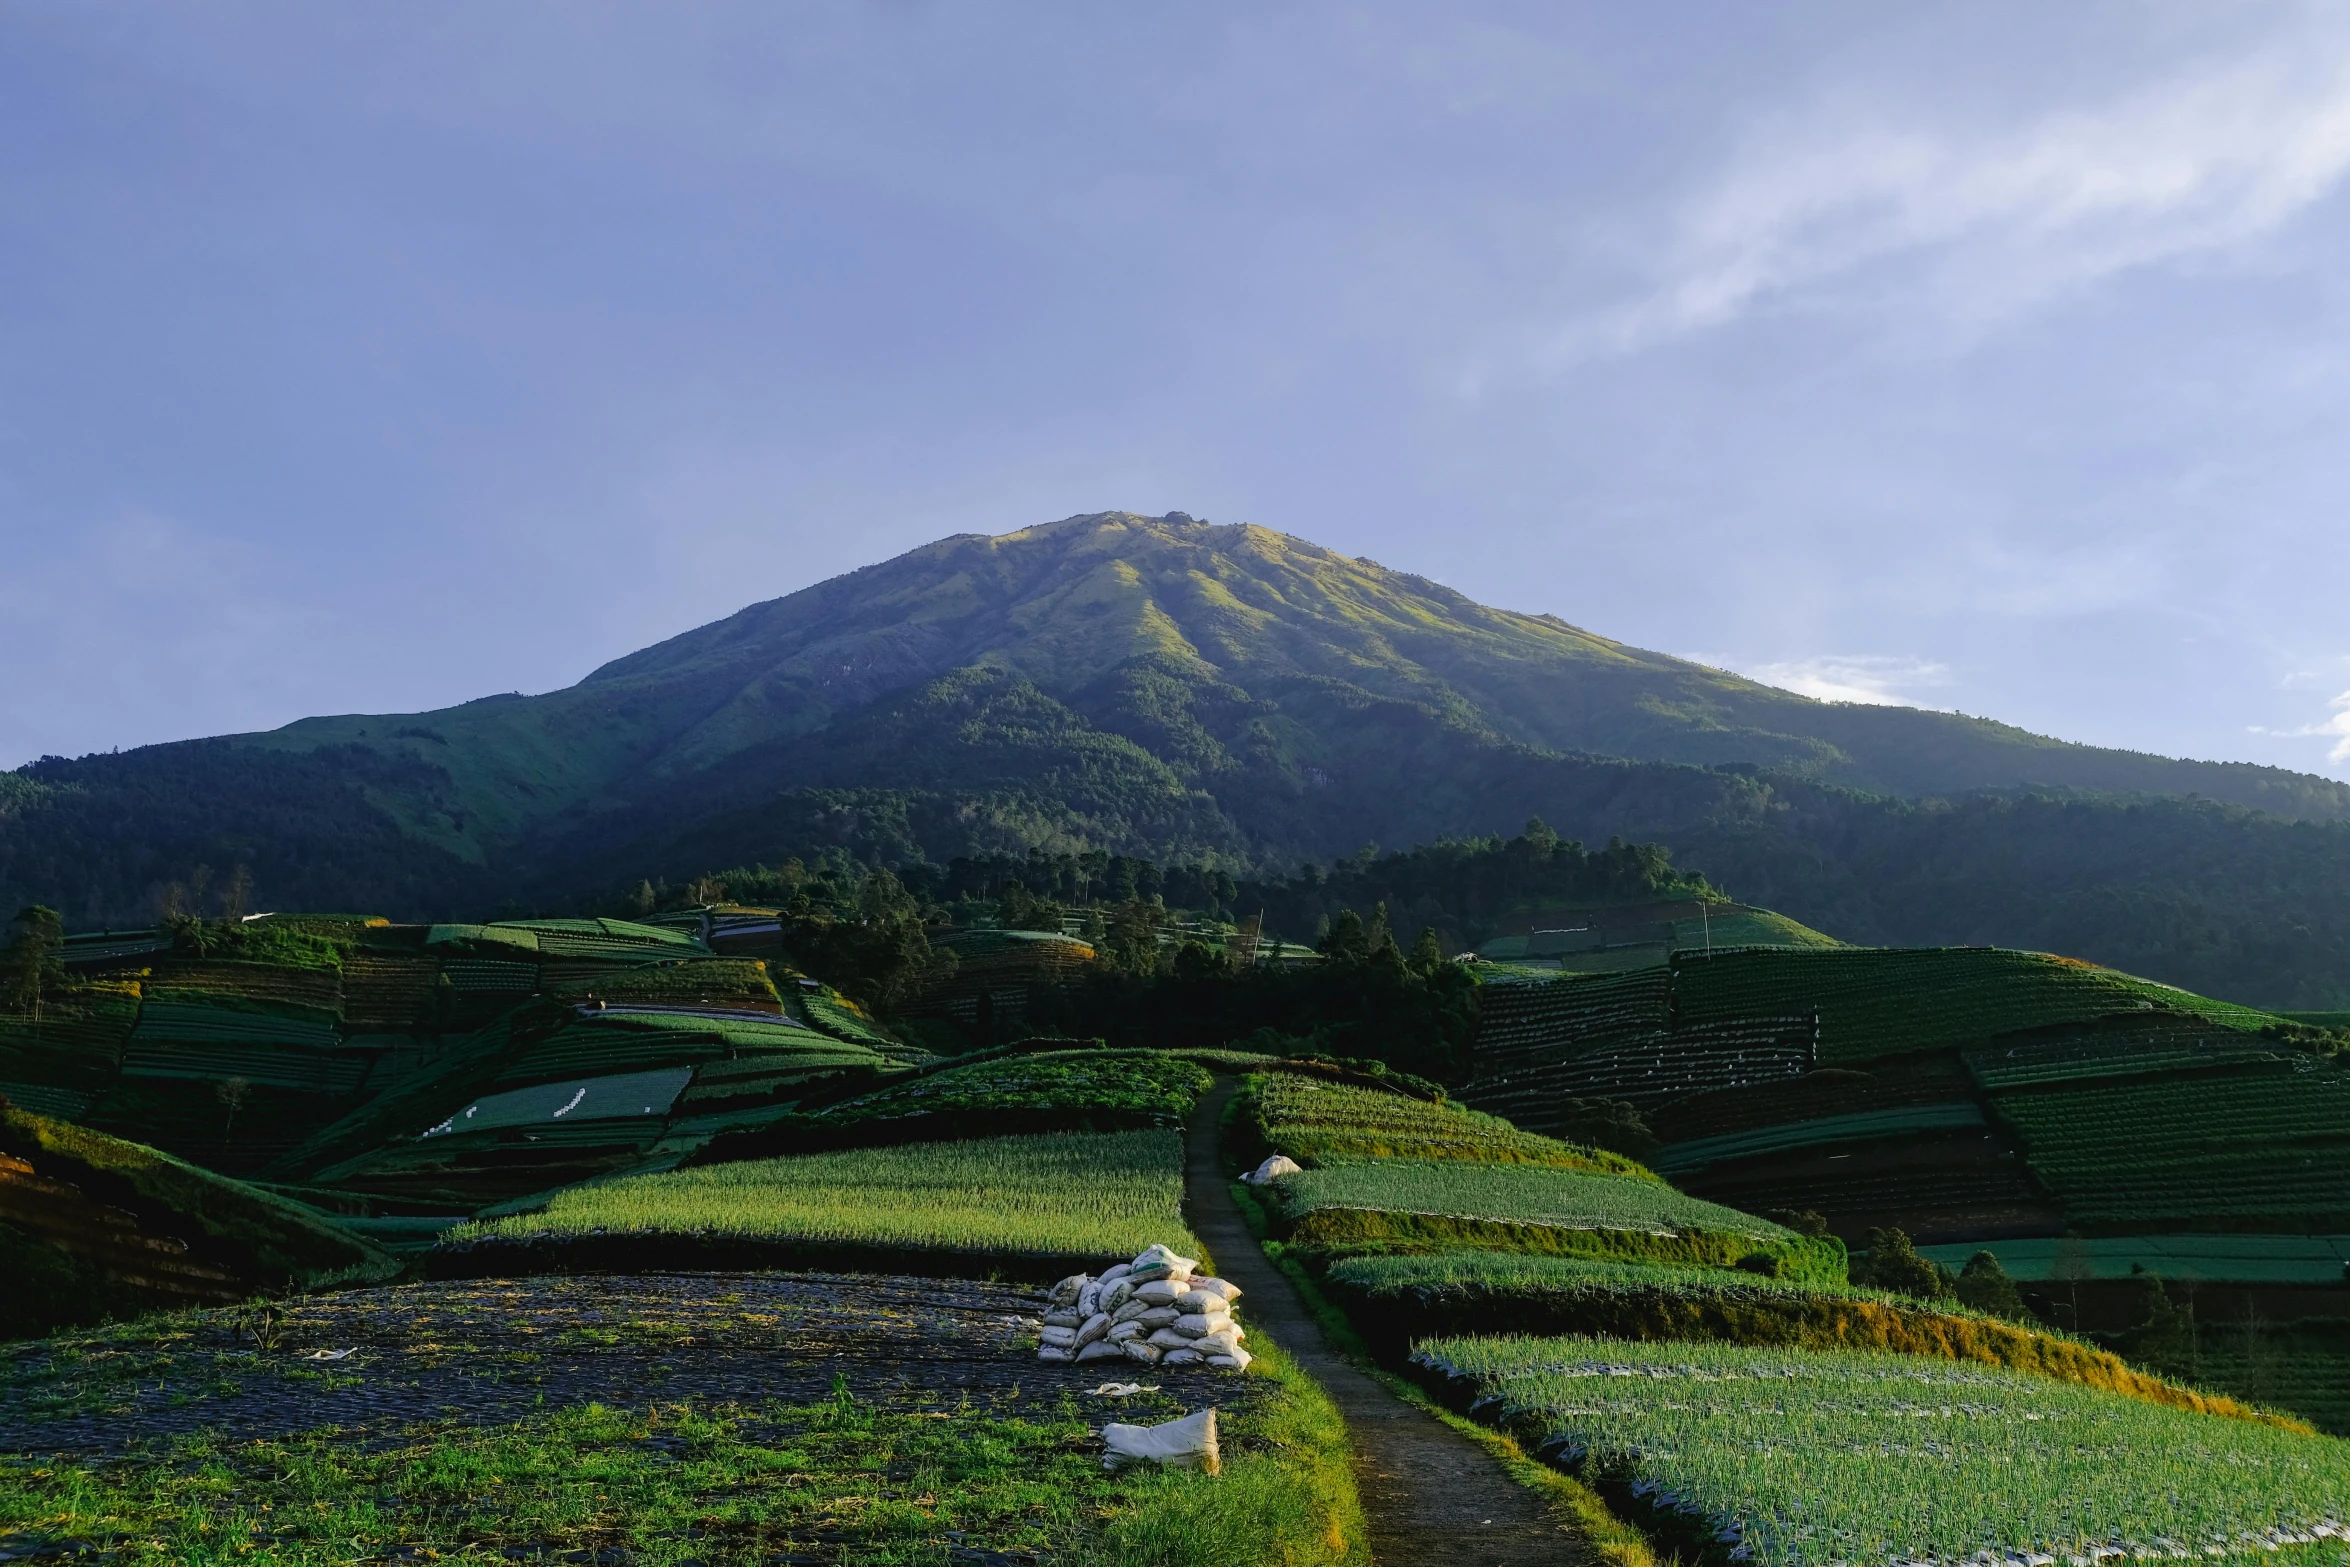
{"points": [[1433, 1495]]}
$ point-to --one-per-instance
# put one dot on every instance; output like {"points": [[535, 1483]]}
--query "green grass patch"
{"points": [[1102, 1195], [1795, 1458]]}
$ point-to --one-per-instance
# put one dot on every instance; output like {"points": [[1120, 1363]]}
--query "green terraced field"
{"points": [[1106, 1194], [1881, 1001], [1516, 1193], [1150, 1085], [1801, 1459], [2261, 1146], [1823, 1132], [2035, 1063], [2220, 1258], [1317, 1122]]}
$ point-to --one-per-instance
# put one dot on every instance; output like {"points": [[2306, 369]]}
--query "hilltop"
{"points": [[1228, 695]]}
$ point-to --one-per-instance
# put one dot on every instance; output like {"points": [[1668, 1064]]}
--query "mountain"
{"points": [[1165, 687]]}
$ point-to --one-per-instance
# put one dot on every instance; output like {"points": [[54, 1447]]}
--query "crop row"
{"points": [[2132, 1126], [1320, 1122], [1861, 1126], [1105, 1194], [2104, 1054], [2274, 1190], [1879, 1001], [1802, 1459]]}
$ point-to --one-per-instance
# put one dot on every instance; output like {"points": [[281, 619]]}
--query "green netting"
{"points": [[582, 1049], [1825, 1130], [515, 937], [618, 1097], [273, 1065], [60, 1104], [195, 1021]]}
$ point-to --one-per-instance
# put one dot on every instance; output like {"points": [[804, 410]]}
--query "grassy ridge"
{"points": [[1318, 1122], [1794, 1459]]}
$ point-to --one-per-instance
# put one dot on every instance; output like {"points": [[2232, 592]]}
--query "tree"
{"points": [[1614, 1124], [1347, 942], [1984, 1285], [232, 1093], [1427, 957], [2163, 1341], [34, 963], [1198, 962], [1894, 1264]]}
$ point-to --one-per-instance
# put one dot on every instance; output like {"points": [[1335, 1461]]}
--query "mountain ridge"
{"points": [[1172, 689]]}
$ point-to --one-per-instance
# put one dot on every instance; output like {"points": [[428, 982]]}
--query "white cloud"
{"points": [[1876, 679], [2337, 728], [1991, 219]]}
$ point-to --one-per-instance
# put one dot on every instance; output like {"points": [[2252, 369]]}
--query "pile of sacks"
{"points": [[1152, 1309]]}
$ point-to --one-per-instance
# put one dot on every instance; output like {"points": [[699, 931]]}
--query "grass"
{"points": [[1105, 1194], [719, 1485], [1531, 1208], [1396, 1300], [1797, 1458], [1322, 1123], [1155, 1088]]}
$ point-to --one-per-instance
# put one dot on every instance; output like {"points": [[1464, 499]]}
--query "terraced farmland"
{"points": [[2261, 1147], [1795, 1458], [1317, 1122], [1077, 1196]]}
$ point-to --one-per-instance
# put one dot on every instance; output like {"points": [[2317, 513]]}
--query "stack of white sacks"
{"points": [[1153, 1309]]}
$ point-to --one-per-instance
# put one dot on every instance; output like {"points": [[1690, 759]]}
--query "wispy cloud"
{"points": [[2336, 728], [1984, 220], [1880, 680]]}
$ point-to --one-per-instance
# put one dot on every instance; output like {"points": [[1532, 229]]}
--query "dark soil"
{"points": [[493, 1351], [1432, 1494]]}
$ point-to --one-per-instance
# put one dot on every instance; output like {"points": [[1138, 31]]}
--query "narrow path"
{"points": [[1433, 1495]]}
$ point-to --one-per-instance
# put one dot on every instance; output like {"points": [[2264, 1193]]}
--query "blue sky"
{"points": [[1991, 357]]}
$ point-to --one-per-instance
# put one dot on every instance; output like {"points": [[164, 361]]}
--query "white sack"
{"points": [[1120, 1332], [1201, 1324], [1158, 1262], [1116, 1295], [1275, 1165], [1220, 1343], [1143, 1350], [1181, 1357], [1101, 1349], [1168, 1338], [1065, 1292], [1189, 1443], [1095, 1326], [1158, 1292], [1064, 1319], [1060, 1338], [1230, 1292], [1128, 1312], [1112, 1275], [1089, 1299], [1057, 1356], [1158, 1316], [1236, 1361]]}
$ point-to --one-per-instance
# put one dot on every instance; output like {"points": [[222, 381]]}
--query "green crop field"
{"points": [[2219, 1258], [1883, 1001], [1827, 1130], [1433, 1273], [2245, 1146], [1109, 1194], [1316, 1122], [1152, 1086], [1791, 1459], [1531, 1206]]}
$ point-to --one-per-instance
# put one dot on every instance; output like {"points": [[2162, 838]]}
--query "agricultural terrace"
{"points": [[1144, 1083], [1316, 1122], [1791, 1459], [1102, 1195], [1877, 1001], [1395, 1300], [2253, 1148], [1531, 1207]]}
